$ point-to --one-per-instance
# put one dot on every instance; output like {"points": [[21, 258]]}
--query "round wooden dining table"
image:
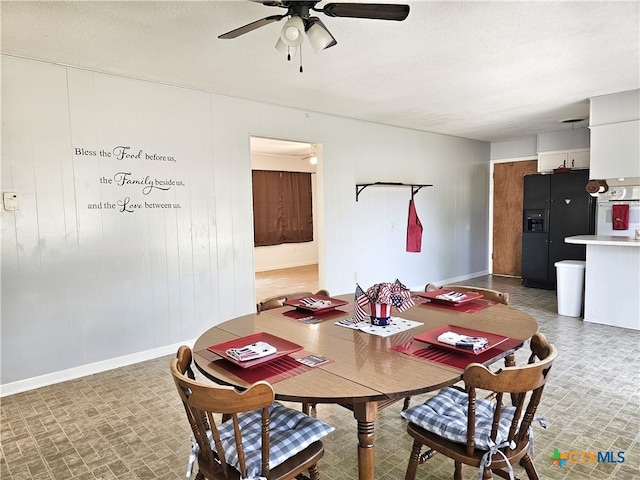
{"points": [[364, 372]]}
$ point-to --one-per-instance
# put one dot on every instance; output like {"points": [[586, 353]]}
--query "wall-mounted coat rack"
{"points": [[415, 187]]}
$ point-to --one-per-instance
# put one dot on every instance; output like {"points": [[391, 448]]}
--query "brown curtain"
{"points": [[282, 207]]}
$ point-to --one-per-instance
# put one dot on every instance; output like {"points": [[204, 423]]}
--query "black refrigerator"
{"points": [[554, 207]]}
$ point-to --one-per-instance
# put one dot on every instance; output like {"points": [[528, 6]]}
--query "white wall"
{"points": [[564, 140], [288, 255], [84, 289], [520, 148], [525, 148]]}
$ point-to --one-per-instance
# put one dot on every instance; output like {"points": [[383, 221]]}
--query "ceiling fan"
{"points": [[302, 22]]}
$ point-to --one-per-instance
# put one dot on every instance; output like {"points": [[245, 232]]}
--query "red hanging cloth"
{"points": [[620, 214], [414, 230]]}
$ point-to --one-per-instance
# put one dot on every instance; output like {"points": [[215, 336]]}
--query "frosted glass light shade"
{"points": [[319, 37], [292, 33], [286, 49]]}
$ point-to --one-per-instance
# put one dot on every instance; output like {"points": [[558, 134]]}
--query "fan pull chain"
{"points": [[289, 57], [300, 58]]}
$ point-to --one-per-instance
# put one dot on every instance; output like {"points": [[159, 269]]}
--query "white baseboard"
{"points": [[89, 369], [453, 280], [282, 266]]}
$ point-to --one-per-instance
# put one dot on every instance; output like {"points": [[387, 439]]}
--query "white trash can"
{"points": [[570, 285]]}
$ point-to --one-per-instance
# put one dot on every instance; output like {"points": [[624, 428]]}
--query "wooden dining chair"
{"points": [[430, 287], [487, 294], [278, 300], [492, 296], [259, 438], [480, 432]]}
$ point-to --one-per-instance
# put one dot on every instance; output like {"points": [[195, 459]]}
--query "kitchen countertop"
{"points": [[612, 240], [612, 279]]}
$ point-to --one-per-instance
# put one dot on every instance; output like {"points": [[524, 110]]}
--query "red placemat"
{"points": [[272, 372], [297, 315], [470, 307], [298, 304], [434, 294], [431, 337], [455, 359], [313, 317], [283, 346]]}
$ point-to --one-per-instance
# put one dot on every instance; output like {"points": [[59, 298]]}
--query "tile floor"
{"points": [[129, 424]]}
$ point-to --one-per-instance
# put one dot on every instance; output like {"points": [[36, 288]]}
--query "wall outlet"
{"points": [[10, 201], [355, 277]]}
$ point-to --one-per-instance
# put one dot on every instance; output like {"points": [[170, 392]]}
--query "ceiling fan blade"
{"points": [[251, 26], [376, 11], [271, 3]]}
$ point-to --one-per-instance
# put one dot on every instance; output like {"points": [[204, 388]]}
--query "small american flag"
{"points": [[402, 297], [361, 300]]}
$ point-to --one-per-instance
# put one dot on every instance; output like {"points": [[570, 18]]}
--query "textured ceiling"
{"points": [[492, 71], [283, 148]]}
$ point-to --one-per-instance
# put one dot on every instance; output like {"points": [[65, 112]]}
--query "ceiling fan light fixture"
{"points": [[292, 33], [319, 36], [300, 22], [285, 49], [313, 159]]}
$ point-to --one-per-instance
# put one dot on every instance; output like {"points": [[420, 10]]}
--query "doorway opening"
{"points": [[289, 267]]}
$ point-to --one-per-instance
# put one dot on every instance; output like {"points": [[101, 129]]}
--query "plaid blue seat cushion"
{"points": [[446, 415], [290, 432]]}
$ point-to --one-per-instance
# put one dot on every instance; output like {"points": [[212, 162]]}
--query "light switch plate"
{"points": [[10, 201]]}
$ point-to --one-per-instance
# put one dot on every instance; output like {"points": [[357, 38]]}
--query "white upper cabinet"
{"points": [[549, 161], [579, 159], [574, 159], [614, 122], [563, 148], [615, 150]]}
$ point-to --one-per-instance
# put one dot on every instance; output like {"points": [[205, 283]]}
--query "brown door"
{"points": [[507, 215]]}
